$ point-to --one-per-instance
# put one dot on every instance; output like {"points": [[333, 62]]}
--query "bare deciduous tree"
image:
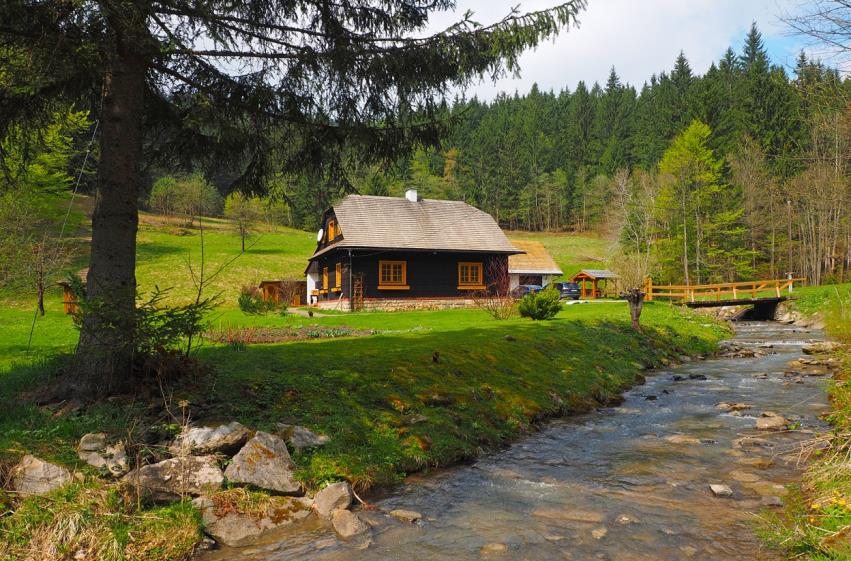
{"points": [[828, 24]]}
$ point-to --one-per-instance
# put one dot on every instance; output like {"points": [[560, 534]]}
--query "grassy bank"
{"points": [[388, 405], [397, 392], [816, 522]]}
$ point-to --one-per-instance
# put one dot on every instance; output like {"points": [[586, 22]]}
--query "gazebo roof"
{"points": [[595, 274]]}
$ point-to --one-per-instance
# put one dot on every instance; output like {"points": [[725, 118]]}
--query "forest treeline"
{"points": [[737, 173]]}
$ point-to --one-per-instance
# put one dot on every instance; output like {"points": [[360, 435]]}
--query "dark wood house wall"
{"points": [[428, 274]]}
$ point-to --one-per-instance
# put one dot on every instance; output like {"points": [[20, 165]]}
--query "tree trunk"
{"points": [[635, 313], [40, 291], [635, 299], [105, 351]]}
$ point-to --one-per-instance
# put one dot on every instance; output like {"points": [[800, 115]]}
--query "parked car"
{"points": [[525, 289], [568, 289]]}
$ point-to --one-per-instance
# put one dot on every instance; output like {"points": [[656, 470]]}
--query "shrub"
{"points": [[540, 305], [159, 329], [251, 302]]}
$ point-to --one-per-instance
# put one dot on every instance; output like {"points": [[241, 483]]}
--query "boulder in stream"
{"points": [[721, 490], [333, 497], [347, 524], [237, 528], [771, 421], [409, 516], [493, 549], [821, 347]]}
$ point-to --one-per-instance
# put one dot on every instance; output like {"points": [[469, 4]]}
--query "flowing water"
{"points": [[626, 483]]}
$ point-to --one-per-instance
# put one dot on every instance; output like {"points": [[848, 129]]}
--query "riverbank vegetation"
{"points": [[816, 522]]}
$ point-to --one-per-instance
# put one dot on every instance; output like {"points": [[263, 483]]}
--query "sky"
{"points": [[638, 37]]}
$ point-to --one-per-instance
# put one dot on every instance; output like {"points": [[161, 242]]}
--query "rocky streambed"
{"points": [[678, 471]]}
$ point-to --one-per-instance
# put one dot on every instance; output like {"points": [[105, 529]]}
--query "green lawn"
{"points": [[168, 247], [362, 389]]}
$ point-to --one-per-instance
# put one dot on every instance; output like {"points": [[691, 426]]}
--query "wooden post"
{"points": [[648, 289], [735, 292]]}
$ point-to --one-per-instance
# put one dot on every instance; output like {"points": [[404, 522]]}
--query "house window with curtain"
{"points": [[338, 277]]}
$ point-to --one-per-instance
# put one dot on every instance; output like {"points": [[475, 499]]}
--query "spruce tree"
{"points": [[210, 79]]}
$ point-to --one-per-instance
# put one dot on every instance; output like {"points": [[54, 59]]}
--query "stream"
{"points": [[626, 483]]}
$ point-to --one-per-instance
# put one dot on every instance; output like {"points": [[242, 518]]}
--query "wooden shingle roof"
{"points": [[536, 260], [371, 222]]}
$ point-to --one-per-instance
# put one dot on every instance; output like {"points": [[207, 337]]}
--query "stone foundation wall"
{"points": [[402, 304]]}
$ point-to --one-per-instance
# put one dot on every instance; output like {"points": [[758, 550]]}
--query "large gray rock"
{"points": [[771, 421], [224, 439], [333, 497], [264, 462], [33, 476], [301, 437], [177, 477], [821, 347], [347, 524], [237, 529], [110, 458]]}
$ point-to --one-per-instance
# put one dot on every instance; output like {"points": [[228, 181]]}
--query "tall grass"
{"points": [[96, 520], [816, 523], [838, 314]]}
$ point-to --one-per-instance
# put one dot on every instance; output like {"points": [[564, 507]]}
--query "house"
{"points": [[593, 276], [535, 266], [405, 253]]}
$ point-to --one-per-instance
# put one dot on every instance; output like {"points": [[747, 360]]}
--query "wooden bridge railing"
{"points": [[738, 290]]}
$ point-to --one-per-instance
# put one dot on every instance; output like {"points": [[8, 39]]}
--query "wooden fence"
{"points": [[746, 290]]}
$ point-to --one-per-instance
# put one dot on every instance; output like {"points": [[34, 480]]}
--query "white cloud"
{"points": [[638, 37]]}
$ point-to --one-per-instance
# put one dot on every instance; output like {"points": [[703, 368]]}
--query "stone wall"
{"points": [[403, 304]]}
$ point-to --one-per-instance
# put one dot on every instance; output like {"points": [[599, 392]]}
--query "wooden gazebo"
{"points": [[593, 277]]}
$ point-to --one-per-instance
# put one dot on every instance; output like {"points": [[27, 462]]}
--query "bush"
{"points": [[251, 302], [540, 305]]}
